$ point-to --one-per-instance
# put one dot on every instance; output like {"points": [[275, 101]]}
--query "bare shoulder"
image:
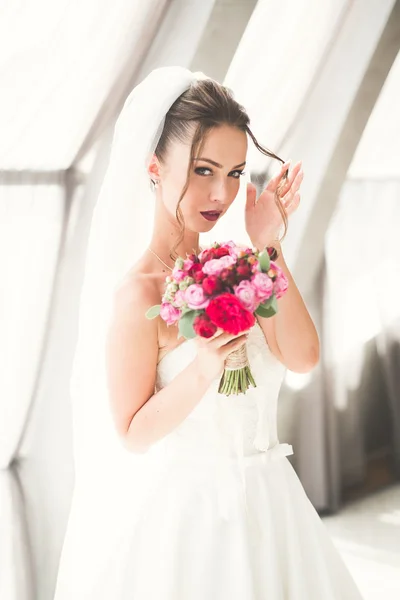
{"points": [[135, 294], [132, 348]]}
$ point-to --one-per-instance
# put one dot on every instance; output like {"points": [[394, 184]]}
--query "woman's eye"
{"points": [[200, 171], [239, 173]]}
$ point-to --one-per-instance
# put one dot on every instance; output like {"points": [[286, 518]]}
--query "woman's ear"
{"points": [[154, 168]]}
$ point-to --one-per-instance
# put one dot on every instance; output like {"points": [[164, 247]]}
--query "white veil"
{"points": [[106, 500]]}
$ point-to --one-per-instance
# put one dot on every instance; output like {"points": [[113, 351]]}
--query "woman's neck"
{"points": [[166, 234], [164, 248]]}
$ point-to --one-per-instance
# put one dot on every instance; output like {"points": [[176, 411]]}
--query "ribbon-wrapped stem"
{"points": [[237, 377]]}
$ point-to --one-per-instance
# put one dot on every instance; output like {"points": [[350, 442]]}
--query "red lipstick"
{"points": [[211, 215]]}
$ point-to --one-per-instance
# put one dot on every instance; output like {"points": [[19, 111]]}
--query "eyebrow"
{"points": [[217, 164]]}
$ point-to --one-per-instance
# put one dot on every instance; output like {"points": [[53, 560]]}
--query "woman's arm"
{"points": [[141, 416], [291, 333], [166, 409]]}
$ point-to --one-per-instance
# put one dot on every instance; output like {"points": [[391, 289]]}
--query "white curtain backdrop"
{"points": [[362, 328], [58, 61], [31, 222]]}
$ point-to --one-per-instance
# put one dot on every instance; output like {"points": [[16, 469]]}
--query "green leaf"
{"points": [[153, 312], [270, 302], [265, 312], [269, 308], [264, 261], [273, 303], [186, 324]]}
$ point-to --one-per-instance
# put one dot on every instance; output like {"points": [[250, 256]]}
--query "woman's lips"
{"points": [[211, 215]]}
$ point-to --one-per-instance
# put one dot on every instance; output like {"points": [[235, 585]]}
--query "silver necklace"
{"points": [[156, 255]]}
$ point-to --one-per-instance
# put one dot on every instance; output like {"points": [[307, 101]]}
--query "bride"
{"points": [[182, 493]]}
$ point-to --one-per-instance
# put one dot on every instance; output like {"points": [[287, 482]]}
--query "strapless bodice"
{"points": [[235, 430], [252, 416]]}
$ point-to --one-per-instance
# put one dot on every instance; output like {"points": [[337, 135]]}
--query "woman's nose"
{"points": [[219, 191]]}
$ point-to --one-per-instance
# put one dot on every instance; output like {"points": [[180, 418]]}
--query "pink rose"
{"points": [[247, 294], [263, 285], [195, 297], [169, 313], [216, 265], [179, 298], [187, 264], [281, 284], [178, 274], [232, 247], [236, 251]]}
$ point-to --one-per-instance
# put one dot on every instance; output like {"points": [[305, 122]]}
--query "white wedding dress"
{"points": [[228, 517]]}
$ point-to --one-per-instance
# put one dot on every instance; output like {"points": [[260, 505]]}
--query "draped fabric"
{"points": [[31, 227], [362, 329]]}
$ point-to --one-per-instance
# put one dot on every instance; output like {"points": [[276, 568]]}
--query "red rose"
{"points": [[229, 277], [225, 274], [199, 277], [203, 326], [211, 285], [196, 272], [207, 255], [195, 268], [226, 312], [244, 272], [220, 252]]}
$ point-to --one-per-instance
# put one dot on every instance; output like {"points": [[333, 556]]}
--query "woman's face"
{"points": [[214, 177]]}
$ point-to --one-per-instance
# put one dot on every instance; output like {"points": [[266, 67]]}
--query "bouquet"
{"points": [[224, 286]]}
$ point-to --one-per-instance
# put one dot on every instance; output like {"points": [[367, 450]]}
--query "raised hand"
{"points": [[263, 218]]}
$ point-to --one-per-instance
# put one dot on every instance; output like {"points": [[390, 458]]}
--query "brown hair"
{"points": [[205, 105]]}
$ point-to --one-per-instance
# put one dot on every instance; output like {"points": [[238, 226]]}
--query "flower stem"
{"points": [[237, 376]]}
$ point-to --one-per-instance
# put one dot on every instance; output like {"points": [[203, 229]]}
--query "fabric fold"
{"points": [[230, 437]]}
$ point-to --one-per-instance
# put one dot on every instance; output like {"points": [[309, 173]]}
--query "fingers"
{"points": [[226, 338], [297, 179], [206, 341], [285, 184], [293, 182], [237, 342], [291, 200], [273, 183], [251, 195], [221, 338], [291, 206]]}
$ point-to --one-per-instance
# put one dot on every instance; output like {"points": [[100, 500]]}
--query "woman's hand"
{"points": [[212, 352], [263, 219]]}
